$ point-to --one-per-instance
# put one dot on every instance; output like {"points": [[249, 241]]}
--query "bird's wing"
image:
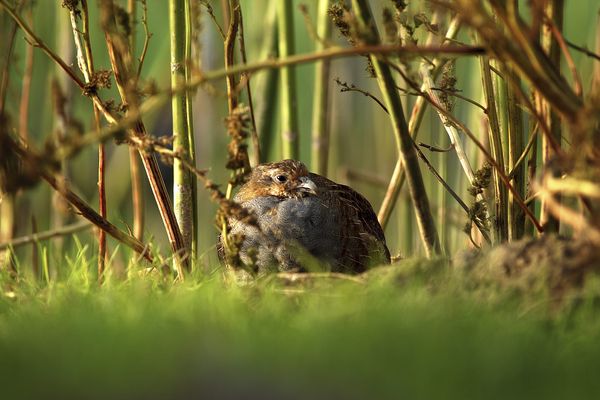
{"points": [[362, 229]]}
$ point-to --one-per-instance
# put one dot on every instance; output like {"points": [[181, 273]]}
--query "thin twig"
{"points": [[436, 149], [37, 237], [459, 96], [523, 155], [211, 13], [353, 88], [147, 37], [583, 50]]}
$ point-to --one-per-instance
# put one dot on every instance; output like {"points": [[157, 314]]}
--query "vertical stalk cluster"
{"points": [[126, 79], [495, 140], [404, 142], [416, 117]]}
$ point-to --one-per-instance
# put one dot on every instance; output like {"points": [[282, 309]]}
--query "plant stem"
{"points": [[190, 123], [501, 204], [321, 114], [182, 178], [516, 222], [287, 74], [86, 65], [404, 142], [137, 196]]}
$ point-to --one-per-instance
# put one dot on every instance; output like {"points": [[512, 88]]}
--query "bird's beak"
{"points": [[307, 186]]}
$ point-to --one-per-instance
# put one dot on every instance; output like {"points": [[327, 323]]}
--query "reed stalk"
{"points": [[515, 127], [190, 123], [495, 140], [137, 194], [39, 236], [321, 109], [183, 180], [287, 82]]}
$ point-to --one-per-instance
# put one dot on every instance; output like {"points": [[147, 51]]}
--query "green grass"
{"points": [[417, 331]]}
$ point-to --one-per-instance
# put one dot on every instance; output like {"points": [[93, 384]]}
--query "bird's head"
{"points": [[287, 178]]}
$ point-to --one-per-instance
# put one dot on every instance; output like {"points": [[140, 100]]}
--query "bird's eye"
{"points": [[281, 178]]}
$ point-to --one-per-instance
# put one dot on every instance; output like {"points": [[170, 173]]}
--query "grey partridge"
{"points": [[303, 218]]}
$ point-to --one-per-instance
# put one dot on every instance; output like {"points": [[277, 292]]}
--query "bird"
{"points": [[304, 221]]}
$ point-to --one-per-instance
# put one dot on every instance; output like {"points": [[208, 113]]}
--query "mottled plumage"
{"points": [[305, 218]]}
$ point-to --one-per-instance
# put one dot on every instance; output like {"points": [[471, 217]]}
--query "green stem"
{"points": [[190, 122], [182, 178], [501, 204], [320, 128], [404, 142], [289, 106]]}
